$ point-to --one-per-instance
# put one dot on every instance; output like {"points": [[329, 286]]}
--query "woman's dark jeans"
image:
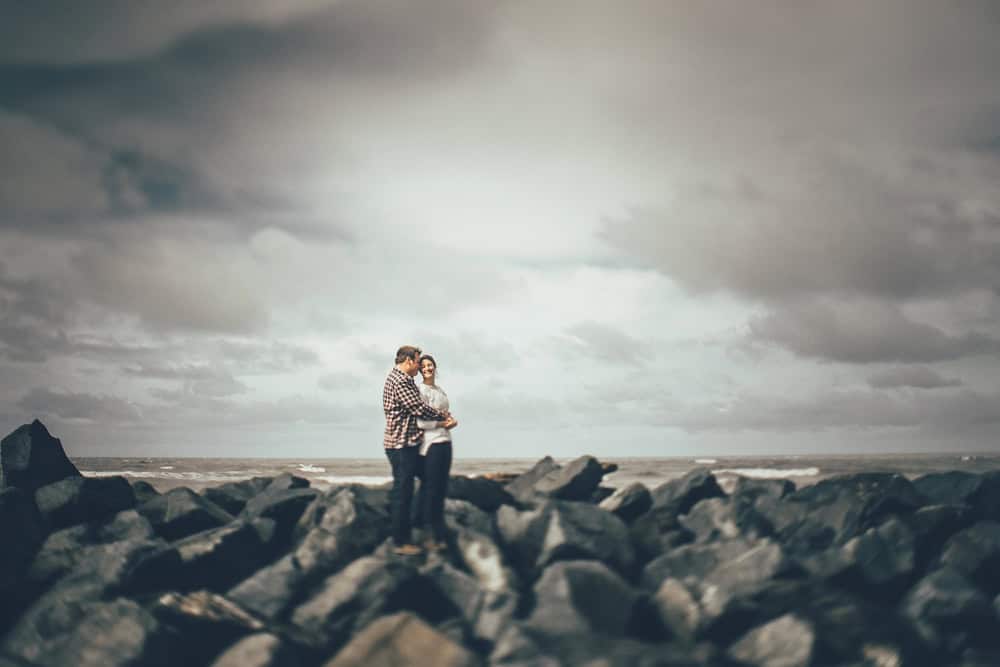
{"points": [[434, 488], [404, 464]]}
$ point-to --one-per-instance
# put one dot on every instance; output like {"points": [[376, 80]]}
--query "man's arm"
{"points": [[409, 398]]}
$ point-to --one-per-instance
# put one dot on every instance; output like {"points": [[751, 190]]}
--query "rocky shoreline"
{"points": [[545, 568]]}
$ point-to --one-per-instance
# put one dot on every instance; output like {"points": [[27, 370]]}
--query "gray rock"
{"points": [[364, 590], [181, 512], [30, 458], [681, 494], [692, 561], [461, 514], [338, 527], [486, 494], [216, 559], [580, 597], [83, 499], [948, 611], [481, 556], [286, 482], [233, 496], [402, 639], [564, 530], [678, 609], [751, 489], [784, 642], [143, 491], [284, 506], [883, 557], [629, 502], [258, 650], [522, 487], [933, 525], [484, 612], [577, 480], [22, 530], [726, 519], [975, 552], [205, 622]]}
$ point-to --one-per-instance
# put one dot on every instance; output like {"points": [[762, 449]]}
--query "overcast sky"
{"points": [[640, 228]]}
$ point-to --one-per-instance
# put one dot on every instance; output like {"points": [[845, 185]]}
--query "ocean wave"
{"points": [[768, 473], [706, 460], [164, 474], [367, 480], [306, 467]]}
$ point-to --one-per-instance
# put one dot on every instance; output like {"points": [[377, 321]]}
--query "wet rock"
{"points": [[459, 514], [481, 556], [975, 552], [580, 597], [678, 609], [143, 491], [233, 496], [486, 494], [284, 506], [563, 530], [840, 507], [484, 612], [83, 499], [31, 458], [751, 489], [932, 526], [402, 639], [216, 559], [181, 512], [64, 550], [522, 487], [368, 588], [695, 561], [629, 502], [286, 482], [205, 623], [22, 530], [258, 650], [575, 481], [981, 492], [784, 642], [683, 493], [337, 528], [949, 612], [724, 518], [521, 646], [73, 627]]}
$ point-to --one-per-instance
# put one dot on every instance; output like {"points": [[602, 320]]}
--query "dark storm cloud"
{"points": [[863, 332], [596, 341], [855, 409], [917, 377], [73, 405]]}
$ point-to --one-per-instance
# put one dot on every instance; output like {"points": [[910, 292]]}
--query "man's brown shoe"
{"points": [[407, 550]]}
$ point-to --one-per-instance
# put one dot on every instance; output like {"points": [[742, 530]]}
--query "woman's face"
{"points": [[427, 368]]}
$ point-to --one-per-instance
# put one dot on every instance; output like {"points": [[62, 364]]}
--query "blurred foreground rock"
{"points": [[549, 568]]}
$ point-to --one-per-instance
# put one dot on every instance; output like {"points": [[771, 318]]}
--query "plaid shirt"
{"points": [[402, 405]]}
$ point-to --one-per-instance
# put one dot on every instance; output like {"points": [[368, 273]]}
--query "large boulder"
{"points": [[522, 487], [233, 496], [368, 588], [629, 502], [181, 512], [486, 494], [217, 558], [204, 623], [83, 499], [402, 639], [565, 530], [659, 529], [104, 634], [576, 480], [784, 642], [725, 518], [981, 492], [485, 613], [337, 528], [582, 597], [30, 457], [22, 531], [949, 613], [933, 525], [975, 552], [262, 649], [284, 506]]}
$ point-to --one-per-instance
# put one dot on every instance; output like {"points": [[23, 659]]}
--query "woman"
{"points": [[436, 450]]}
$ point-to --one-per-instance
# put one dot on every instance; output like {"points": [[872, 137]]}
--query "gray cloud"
{"points": [[103, 409], [863, 332], [917, 377]]}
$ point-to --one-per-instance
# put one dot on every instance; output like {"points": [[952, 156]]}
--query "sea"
{"points": [[199, 473]]}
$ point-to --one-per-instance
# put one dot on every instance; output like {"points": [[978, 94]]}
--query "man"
{"points": [[402, 405]]}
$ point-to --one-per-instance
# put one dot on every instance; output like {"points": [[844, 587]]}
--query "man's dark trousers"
{"points": [[404, 468]]}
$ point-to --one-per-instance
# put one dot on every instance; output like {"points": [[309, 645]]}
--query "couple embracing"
{"points": [[417, 443]]}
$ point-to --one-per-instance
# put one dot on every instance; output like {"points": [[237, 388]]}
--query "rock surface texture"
{"points": [[546, 569]]}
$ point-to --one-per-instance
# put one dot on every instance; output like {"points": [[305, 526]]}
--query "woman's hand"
{"points": [[449, 423]]}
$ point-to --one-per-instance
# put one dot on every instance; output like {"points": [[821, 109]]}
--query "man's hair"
{"points": [[407, 352]]}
